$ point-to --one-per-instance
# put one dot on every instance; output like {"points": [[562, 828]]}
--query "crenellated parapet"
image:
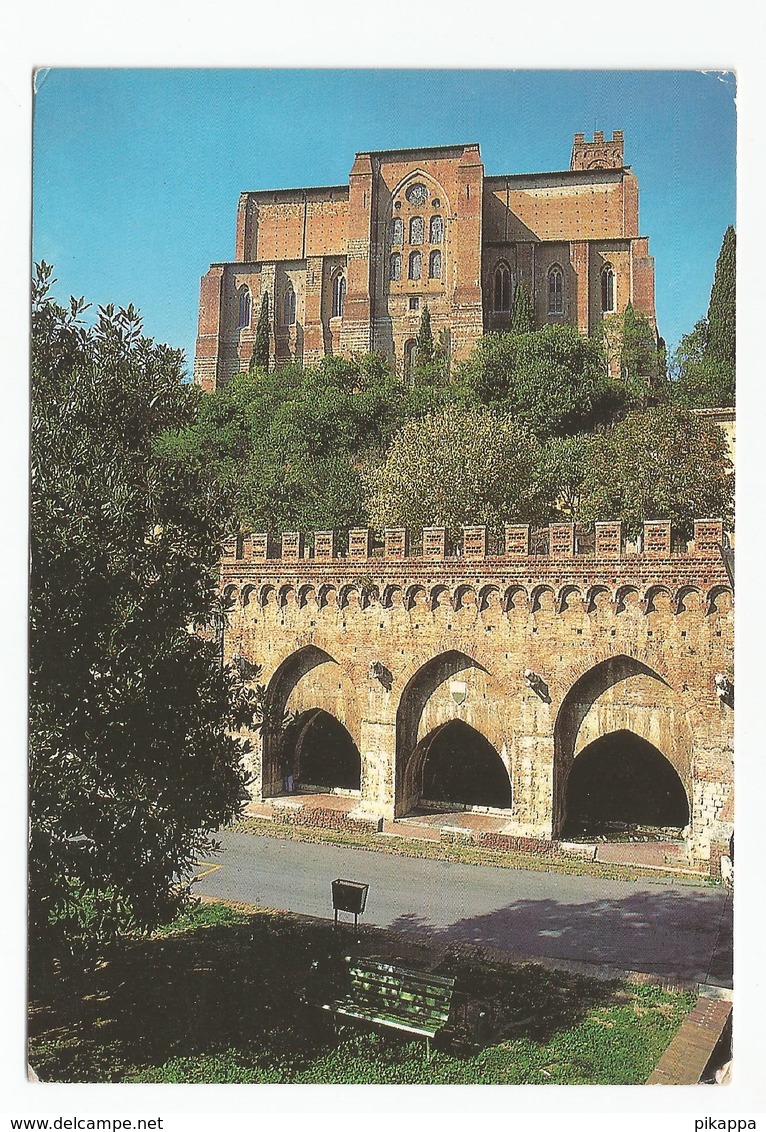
{"points": [[555, 568], [542, 645]]}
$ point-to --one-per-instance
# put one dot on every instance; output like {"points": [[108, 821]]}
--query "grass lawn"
{"points": [[216, 998], [468, 854]]}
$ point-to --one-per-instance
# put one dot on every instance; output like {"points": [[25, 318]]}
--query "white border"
{"points": [[697, 35]]}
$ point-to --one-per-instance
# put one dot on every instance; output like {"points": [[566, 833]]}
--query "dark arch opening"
{"points": [[622, 784], [463, 768], [320, 752]]}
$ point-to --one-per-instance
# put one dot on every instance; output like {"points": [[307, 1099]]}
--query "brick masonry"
{"points": [[685, 1059], [394, 645], [577, 222], [321, 817]]}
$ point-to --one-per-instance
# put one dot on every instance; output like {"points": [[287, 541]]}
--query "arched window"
{"points": [[435, 265], [416, 265], [502, 288], [397, 231], [409, 358], [416, 230], [607, 289], [289, 307], [555, 290], [395, 267], [338, 296], [437, 230], [244, 307]]}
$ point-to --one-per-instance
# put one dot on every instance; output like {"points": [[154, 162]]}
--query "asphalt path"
{"points": [[677, 931]]}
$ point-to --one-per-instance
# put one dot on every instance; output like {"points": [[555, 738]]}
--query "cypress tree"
{"points": [[721, 315], [522, 315], [638, 354], [260, 356], [424, 345], [705, 360]]}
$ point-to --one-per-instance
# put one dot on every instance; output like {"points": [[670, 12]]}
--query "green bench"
{"points": [[384, 995]]}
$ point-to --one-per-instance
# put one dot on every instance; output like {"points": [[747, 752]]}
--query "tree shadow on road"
{"points": [[686, 936]]}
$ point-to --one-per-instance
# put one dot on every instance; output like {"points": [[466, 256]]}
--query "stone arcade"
{"points": [[550, 673]]}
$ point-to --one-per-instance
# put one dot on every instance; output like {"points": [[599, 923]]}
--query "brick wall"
{"points": [[529, 221], [318, 817]]}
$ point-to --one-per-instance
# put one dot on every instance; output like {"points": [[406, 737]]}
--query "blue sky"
{"points": [[137, 172]]}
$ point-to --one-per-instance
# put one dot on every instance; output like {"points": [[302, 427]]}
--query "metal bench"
{"points": [[384, 995]]}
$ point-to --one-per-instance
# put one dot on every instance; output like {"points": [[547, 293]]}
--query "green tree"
{"points": [[704, 365], [260, 357], [458, 466], [424, 344], [722, 311], [291, 448], [443, 350], [701, 381], [628, 345], [639, 348], [664, 463], [564, 465], [552, 380], [523, 314], [132, 759]]}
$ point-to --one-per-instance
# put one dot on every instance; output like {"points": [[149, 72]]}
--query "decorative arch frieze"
{"points": [[489, 596], [570, 598], [391, 595], [464, 597], [349, 596], [306, 593], [515, 598], [625, 597], [439, 597], [328, 595], [543, 597], [597, 598], [230, 595], [719, 600], [656, 597], [415, 595], [267, 594], [286, 593], [688, 599]]}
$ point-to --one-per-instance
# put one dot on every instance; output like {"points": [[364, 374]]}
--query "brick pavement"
{"points": [[427, 825]]}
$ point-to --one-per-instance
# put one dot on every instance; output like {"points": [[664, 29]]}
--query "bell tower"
{"points": [[599, 153]]}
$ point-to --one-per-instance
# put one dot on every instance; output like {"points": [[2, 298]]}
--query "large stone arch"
{"points": [[308, 679], [452, 685], [621, 782], [320, 753], [620, 693], [456, 767]]}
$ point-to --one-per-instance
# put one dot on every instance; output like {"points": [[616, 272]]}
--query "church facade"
{"points": [[349, 268]]}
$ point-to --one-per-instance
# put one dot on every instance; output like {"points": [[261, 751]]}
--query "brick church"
{"points": [[349, 268]]}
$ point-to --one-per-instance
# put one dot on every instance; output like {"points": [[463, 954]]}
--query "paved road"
{"points": [[679, 931]]}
